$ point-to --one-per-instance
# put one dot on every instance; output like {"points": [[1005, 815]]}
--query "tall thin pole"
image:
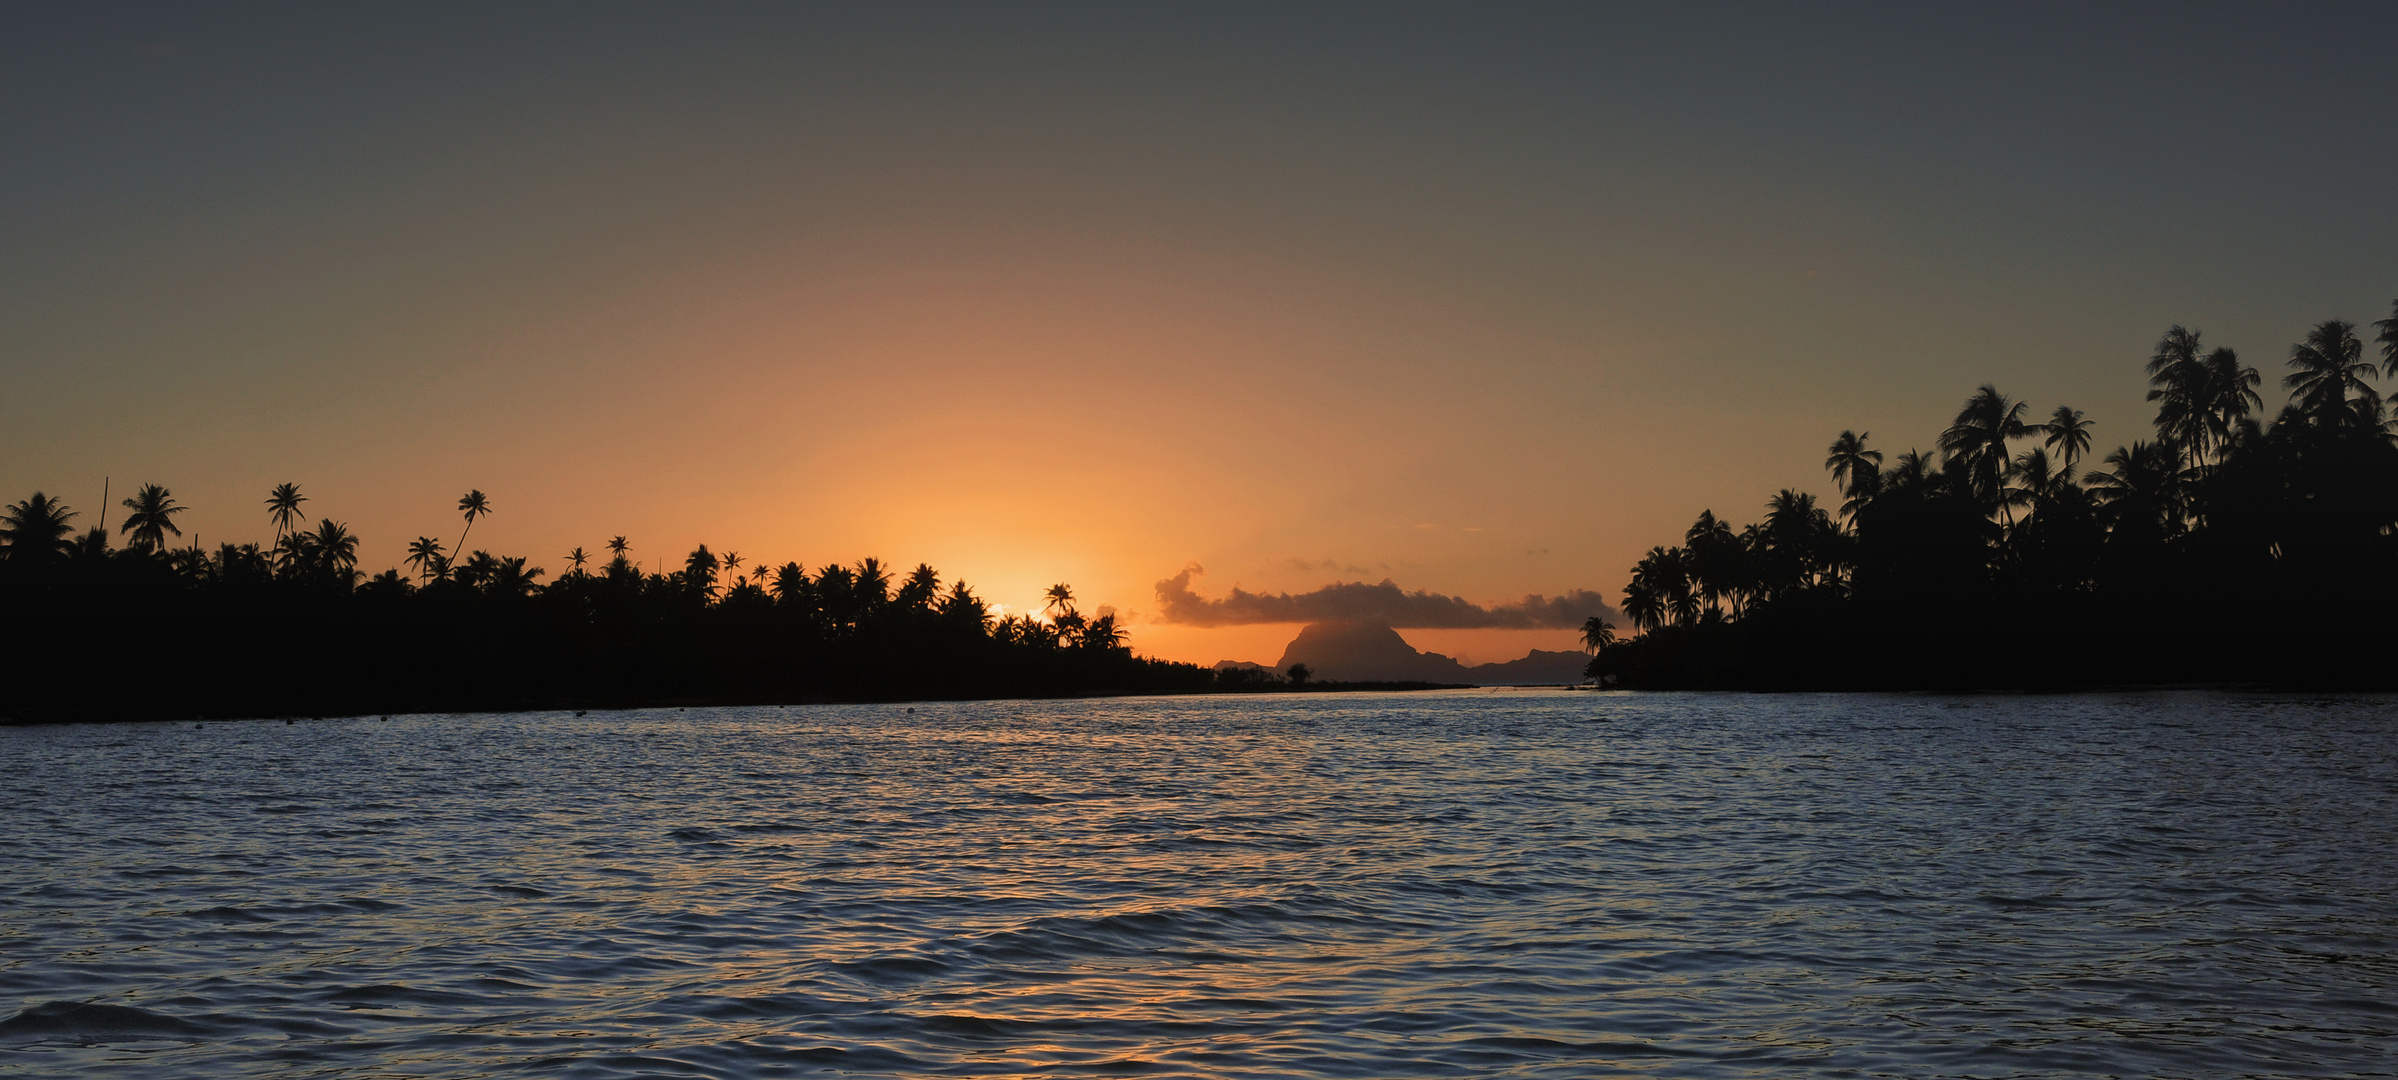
{"points": [[103, 506]]}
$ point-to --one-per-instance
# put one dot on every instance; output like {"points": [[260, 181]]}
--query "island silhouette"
{"points": [[2226, 548]]}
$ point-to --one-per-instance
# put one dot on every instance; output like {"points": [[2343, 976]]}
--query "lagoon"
{"points": [[1522, 883]]}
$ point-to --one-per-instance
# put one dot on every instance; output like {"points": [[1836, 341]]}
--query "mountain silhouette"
{"points": [[1368, 651]]}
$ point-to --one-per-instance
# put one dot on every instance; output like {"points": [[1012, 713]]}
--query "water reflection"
{"points": [[1470, 884]]}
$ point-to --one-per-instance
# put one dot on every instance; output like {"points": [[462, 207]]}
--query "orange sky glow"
{"points": [[1475, 309]]}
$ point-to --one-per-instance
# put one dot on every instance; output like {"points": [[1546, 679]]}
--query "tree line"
{"points": [[154, 629], [2229, 547]]}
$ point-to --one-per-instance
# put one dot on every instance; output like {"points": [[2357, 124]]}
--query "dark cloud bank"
{"points": [[1384, 603]]}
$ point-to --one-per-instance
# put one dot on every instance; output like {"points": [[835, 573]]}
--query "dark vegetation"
{"points": [[2228, 548], [152, 630]]}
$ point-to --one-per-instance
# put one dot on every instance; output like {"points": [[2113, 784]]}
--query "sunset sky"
{"points": [[1481, 300]]}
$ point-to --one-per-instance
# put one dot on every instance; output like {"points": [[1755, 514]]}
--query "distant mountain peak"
{"points": [[1371, 651]]}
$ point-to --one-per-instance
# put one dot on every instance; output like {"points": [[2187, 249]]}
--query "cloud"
{"points": [[1384, 602]]}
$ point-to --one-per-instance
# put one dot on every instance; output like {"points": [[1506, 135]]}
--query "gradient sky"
{"points": [[1483, 300]]}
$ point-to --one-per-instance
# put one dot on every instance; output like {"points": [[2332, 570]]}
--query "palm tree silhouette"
{"points": [[618, 547], [2201, 398], [2036, 479], [2177, 383], [477, 571], [1060, 597], [1642, 605], [1911, 474], [2068, 434], [336, 551], [1717, 559], [699, 571], [473, 504], [578, 559], [508, 577], [283, 508], [1856, 469], [2143, 492], [2229, 396], [1597, 633], [919, 589], [2389, 342], [2327, 382], [1663, 579], [1102, 634], [424, 553], [152, 517], [790, 582], [295, 554], [1978, 441], [36, 529]]}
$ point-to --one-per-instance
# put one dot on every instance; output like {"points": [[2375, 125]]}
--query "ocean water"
{"points": [[1506, 884]]}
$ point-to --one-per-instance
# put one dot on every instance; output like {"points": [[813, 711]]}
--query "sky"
{"points": [[1160, 301]]}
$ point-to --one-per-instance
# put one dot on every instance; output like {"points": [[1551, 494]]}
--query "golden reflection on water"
{"points": [[1330, 885]]}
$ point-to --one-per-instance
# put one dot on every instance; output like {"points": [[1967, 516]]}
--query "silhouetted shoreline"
{"points": [[151, 631], [2227, 549]]}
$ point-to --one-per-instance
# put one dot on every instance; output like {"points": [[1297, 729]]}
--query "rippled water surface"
{"points": [[1526, 883]]}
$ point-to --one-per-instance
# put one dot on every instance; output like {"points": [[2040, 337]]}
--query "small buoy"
{"points": [[195, 727], [288, 721], [911, 708], [387, 719]]}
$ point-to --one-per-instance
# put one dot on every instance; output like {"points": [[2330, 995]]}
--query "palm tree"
{"points": [[699, 571], [1717, 561], [283, 508], [152, 518], [424, 553], [477, 571], [1102, 635], [919, 589], [962, 608], [1794, 540], [36, 529], [2327, 382], [1060, 598], [732, 562], [1642, 606], [2036, 478], [473, 504], [2389, 342], [2177, 382], [1856, 469], [1978, 441], [1662, 577], [618, 547], [2228, 398], [1912, 474], [790, 582], [295, 554], [578, 559], [2068, 434], [2143, 492], [508, 577], [2202, 397], [1597, 633], [870, 588], [336, 551]]}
